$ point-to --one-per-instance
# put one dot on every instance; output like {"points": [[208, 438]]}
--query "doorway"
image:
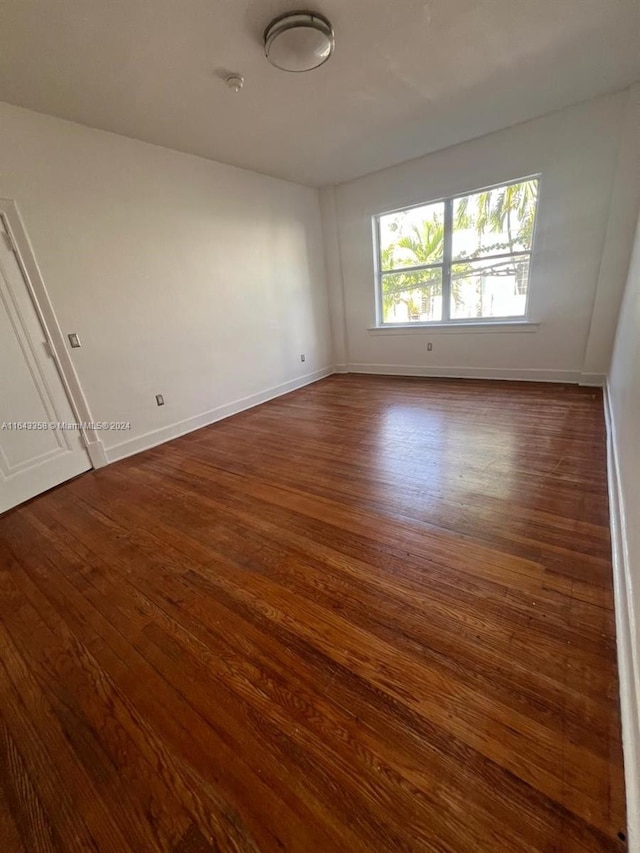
{"points": [[41, 444]]}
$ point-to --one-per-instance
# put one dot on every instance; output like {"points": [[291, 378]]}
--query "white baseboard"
{"points": [[513, 373], [159, 436], [97, 454], [626, 635], [593, 380]]}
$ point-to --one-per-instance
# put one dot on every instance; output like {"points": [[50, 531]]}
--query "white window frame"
{"points": [[446, 263]]}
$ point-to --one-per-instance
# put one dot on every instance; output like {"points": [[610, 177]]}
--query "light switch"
{"points": [[74, 340]]}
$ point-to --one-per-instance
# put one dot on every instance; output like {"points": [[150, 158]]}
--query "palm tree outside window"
{"points": [[464, 258]]}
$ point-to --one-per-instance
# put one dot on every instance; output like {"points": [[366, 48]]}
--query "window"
{"points": [[461, 259]]}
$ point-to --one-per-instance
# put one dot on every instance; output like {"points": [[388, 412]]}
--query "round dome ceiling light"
{"points": [[299, 41]]}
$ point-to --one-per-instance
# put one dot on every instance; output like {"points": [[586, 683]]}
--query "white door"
{"points": [[32, 458]]}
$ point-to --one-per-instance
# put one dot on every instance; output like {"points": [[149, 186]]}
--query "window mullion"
{"points": [[378, 272], [417, 268], [446, 261]]}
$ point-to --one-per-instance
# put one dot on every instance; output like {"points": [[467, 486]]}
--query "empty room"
{"points": [[319, 426]]}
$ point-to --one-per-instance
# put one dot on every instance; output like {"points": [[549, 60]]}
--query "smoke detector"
{"points": [[234, 81]]}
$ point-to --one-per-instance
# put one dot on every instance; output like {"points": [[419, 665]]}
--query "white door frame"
{"points": [[55, 338]]}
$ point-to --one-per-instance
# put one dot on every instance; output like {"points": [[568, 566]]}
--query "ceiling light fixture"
{"points": [[299, 41]]}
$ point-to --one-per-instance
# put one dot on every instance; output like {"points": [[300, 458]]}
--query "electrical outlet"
{"points": [[159, 400], [303, 357], [429, 346]]}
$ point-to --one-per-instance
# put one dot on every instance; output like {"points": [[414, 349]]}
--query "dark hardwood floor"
{"points": [[372, 615]]}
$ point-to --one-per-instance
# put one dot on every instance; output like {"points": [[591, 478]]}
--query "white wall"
{"points": [[184, 277], [581, 154], [205, 282], [616, 252], [624, 417]]}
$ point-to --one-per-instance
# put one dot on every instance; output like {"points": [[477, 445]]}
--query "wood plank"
{"points": [[375, 614]]}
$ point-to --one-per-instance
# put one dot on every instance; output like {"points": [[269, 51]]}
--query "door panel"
{"points": [[31, 392]]}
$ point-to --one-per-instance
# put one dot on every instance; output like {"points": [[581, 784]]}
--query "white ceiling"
{"points": [[408, 76]]}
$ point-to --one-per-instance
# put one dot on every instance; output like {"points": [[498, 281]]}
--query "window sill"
{"points": [[483, 327]]}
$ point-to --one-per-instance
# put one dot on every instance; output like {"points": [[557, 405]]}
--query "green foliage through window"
{"points": [[461, 258]]}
